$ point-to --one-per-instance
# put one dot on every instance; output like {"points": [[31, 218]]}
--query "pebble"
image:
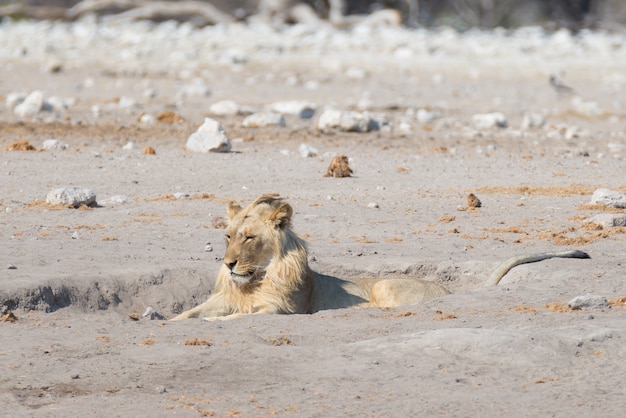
{"points": [[427, 116], [263, 119], [147, 119], [31, 105], [304, 110], [224, 108], [373, 205], [347, 121], [209, 137], [117, 199], [54, 145], [129, 146], [608, 220], [15, 98], [71, 196], [588, 301], [533, 121], [307, 151], [489, 120], [609, 198], [152, 314]]}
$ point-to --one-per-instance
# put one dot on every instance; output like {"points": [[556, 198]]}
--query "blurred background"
{"points": [[459, 14]]}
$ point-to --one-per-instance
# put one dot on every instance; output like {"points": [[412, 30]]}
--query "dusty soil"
{"points": [[77, 281]]}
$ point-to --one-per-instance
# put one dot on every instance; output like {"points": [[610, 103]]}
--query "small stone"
{"points": [[129, 146], [11, 267], [169, 117], [489, 120], [347, 121], [373, 205], [76, 235], [127, 103], [197, 88], [339, 167], [609, 198], [473, 201], [608, 220], [151, 313], [59, 104], [15, 98], [588, 301], [427, 116], [146, 119], [224, 108], [209, 137], [208, 248], [53, 66], [54, 145], [533, 121], [119, 199], [307, 151], [149, 151], [304, 110], [263, 119], [32, 104], [71, 196], [181, 195]]}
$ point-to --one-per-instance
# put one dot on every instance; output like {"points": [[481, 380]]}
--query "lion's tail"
{"points": [[505, 267]]}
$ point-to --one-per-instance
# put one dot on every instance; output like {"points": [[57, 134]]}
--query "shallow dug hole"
{"points": [[171, 291], [167, 291]]}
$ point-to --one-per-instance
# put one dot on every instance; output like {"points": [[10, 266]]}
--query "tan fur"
{"points": [[266, 270], [270, 272]]}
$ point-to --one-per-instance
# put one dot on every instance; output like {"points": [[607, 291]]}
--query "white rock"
{"points": [[129, 146], [304, 110], [59, 104], [307, 151], [588, 301], [224, 108], [54, 145], [427, 116], [532, 121], [586, 108], [489, 120], [127, 103], [373, 205], [263, 119], [608, 220], [117, 199], [197, 88], [15, 98], [347, 121], [147, 119], [609, 198], [210, 136], [32, 104], [71, 196]]}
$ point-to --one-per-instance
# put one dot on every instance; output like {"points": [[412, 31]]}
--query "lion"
{"points": [[266, 271]]}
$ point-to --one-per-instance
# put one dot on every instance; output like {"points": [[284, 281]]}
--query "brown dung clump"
{"points": [[339, 167]]}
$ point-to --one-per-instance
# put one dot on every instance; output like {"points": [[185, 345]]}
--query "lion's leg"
{"points": [[390, 293], [211, 308]]}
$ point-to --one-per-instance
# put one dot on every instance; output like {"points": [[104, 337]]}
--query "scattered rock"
{"points": [[54, 145], [31, 105], [224, 108], [146, 119], [209, 137], [58, 104], [473, 201], [608, 220], [169, 117], [373, 205], [307, 151], [347, 121], [263, 119], [588, 301], [19, 146], [129, 146], [15, 98], [533, 121], [304, 110], [71, 196], [489, 120], [339, 167], [609, 198], [427, 116], [151, 313]]}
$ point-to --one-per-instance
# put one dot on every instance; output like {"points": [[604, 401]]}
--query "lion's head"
{"points": [[256, 235]]}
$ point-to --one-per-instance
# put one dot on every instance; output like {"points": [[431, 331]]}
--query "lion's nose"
{"points": [[230, 264]]}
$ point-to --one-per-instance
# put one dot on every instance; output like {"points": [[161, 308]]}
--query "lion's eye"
{"points": [[227, 236], [249, 238]]}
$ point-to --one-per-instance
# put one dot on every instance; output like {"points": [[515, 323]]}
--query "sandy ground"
{"points": [[79, 280]]}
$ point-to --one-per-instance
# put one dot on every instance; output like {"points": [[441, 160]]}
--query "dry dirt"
{"points": [[77, 281]]}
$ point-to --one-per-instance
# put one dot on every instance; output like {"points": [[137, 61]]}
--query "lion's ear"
{"points": [[281, 215], [233, 209]]}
